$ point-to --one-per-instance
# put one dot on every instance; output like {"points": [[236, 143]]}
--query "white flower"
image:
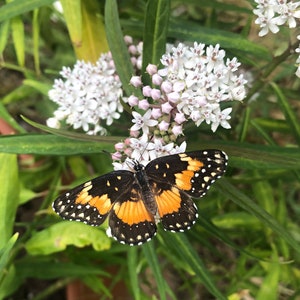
{"points": [[158, 148], [143, 122], [139, 147], [87, 95], [53, 123], [274, 13]]}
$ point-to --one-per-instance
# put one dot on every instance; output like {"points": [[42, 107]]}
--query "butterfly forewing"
{"points": [[191, 172], [92, 201]]}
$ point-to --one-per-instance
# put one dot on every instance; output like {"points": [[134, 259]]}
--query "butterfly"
{"points": [[135, 201]]}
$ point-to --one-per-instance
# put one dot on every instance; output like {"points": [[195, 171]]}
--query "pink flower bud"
{"points": [[151, 69], [156, 113], [134, 133], [132, 49], [116, 156], [166, 108], [167, 87], [136, 81], [133, 60], [119, 146], [179, 118], [128, 39], [128, 152], [147, 91], [163, 125], [127, 141], [133, 100], [177, 130], [143, 104], [156, 79], [155, 94]]}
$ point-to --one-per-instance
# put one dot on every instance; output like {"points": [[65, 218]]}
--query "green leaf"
{"points": [[155, 31], [4, 31], [97, 285], [189, 31], [153, 263], [236, 220], [46, 144], [117, 46], [133, 272], [18, 34], [73, 17], [47, 268], [9, 191], [58, 236], [290, 116], [9, 119], [179, 244], [94, 40], [269, 288], [36, 41], [72, 134], [249, 205], [16, 8], [18, 94], [26, 195], [38, 85], [252, 156], [10, 283], [5, 253]]}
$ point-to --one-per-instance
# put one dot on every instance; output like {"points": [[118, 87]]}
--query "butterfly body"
{"points": [[135, 201], [145, 189]]}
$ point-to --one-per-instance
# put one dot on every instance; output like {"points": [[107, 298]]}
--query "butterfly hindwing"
{"points": [[129, 220], [176, 209], [91, 202]]}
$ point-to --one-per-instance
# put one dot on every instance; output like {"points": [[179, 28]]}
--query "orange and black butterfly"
{"points": [[135, 201]]}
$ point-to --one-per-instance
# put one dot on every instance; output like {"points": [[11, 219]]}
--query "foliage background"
{"points": [[245, 244]]}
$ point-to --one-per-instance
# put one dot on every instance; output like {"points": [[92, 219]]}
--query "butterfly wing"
{"points": [[176, 209], [175, 178], [92, 201], [191, 172], [129, 220]]}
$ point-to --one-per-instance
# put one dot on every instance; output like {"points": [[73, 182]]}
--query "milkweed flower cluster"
{"points": [[190, 87], [274, 13], [271, 14], [88, 96]]}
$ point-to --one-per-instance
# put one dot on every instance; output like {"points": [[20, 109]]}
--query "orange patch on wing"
{"points": [[103, 204], [194, 165], [132, 212], [84, 197], [168, 201], [183, 179]]}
